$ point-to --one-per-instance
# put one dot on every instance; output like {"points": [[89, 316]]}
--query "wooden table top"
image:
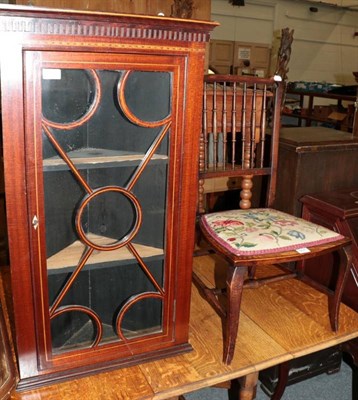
{"points": [[279, 322]]}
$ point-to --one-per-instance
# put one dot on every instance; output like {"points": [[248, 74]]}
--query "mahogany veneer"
{"points": [[101, 118]]}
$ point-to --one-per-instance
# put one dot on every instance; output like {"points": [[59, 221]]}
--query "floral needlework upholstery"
{"points": [[264, 230]]}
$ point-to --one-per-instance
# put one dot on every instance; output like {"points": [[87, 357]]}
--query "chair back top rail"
{"points": [[240, 78]]}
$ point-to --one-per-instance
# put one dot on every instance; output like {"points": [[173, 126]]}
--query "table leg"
{"points": [[248, 386], [283, 370]]}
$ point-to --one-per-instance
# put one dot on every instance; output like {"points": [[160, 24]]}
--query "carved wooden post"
{"points": [[283, 58], [284, 53], [182, 9]]}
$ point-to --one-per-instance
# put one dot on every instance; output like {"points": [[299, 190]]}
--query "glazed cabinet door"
{"points": [[103, 146]]}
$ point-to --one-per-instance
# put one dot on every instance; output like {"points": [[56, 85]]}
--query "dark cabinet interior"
{"points": [[105, 186]]}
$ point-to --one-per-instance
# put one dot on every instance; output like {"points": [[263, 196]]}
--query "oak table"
{"points": [[279, 322]]}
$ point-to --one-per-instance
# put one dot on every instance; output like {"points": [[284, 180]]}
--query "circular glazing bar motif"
{"points": [[87, 115], [128, 112], [92, 315], [137, 218], [131, 302]]}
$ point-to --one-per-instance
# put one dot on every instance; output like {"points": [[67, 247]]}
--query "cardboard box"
{"points": [[322, 111], [337, 116]]}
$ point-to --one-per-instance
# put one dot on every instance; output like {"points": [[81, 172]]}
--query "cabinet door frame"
{"points": [[178, 285], [36, 205]]}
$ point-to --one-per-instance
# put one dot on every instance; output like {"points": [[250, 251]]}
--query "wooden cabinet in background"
{"points": [[313, 160], [101, 120], [336, 210]]}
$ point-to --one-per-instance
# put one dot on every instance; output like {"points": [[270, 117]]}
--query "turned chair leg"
{"points": [[234, 284]]}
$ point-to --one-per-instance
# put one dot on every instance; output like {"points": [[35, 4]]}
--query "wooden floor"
{"points": [[279, 322]]}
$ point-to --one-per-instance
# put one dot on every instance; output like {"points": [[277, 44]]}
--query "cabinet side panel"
{"points": [[189, 188], [17, 218]]}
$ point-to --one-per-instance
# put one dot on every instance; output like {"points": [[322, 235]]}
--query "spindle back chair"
{"points": [[237, 112], [241, 124]]}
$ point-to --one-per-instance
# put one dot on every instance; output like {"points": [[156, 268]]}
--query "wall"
{"points": [[343, 3], [201, 8], [324, 48]]}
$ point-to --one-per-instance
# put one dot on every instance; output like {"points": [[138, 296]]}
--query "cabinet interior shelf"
{"points": [[68, 257], [88, 158]]}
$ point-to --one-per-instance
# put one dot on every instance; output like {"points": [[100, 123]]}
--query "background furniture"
{"points": [[324, 361], [337, 210], [340, 117], [99, 206], [313, 160]]}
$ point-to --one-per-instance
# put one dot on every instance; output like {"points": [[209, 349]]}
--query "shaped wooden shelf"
{"points": [[69, 256], [89, 158]]}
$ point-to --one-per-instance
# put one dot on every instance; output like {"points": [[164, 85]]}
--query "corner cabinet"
{"points": [[101, 122]]}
